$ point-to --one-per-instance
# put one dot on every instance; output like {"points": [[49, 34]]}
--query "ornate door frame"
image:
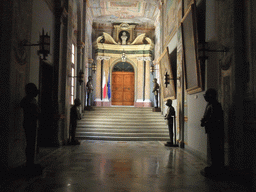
{"points": [[122, 90], [112, 64]]}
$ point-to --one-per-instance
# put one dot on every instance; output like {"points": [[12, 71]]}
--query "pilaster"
{"points": [[147, 102], [98, 84], [139, 99]]}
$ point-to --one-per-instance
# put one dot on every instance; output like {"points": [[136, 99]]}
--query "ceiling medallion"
{"points": [[124, 26]]}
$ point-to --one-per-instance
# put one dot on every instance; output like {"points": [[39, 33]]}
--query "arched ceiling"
{"points": [[124, 11]]}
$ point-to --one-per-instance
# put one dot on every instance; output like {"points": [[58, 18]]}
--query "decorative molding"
{"points": [[121, 51], [124, 26], [139, 40], [144, 58], [103, 57], [108, 39], [21, 53]]}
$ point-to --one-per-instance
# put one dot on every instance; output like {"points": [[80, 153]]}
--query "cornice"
{"points": [[127, 52], [103, 46]]}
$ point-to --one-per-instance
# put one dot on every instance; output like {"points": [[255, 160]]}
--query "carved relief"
{"points": [[22, 26]]}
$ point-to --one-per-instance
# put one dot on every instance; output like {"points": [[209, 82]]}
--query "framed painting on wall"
{"points": [[170, 16], [165, 66], [191, 63]]}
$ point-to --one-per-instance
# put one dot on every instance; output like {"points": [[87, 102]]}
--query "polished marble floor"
{"points": [[128, 166]]}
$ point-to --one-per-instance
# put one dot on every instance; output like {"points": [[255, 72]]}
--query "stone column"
{"points": [[80, 87], [98, 83], [139, 101], [64, 99], [147, 102], [54, 135]]}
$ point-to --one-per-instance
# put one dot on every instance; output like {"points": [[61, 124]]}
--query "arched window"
{"points": [[124, 67]]}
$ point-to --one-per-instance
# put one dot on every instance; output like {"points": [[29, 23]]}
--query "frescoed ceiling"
{"points": [[124, 11]]}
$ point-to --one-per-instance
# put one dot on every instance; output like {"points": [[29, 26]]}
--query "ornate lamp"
{"points": [[166, 79], [93, 67], [80, 77], [44, 45], [152, 69]]}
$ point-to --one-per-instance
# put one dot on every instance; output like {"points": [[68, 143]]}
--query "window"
{"points": [[73, 83], [123, 66]]}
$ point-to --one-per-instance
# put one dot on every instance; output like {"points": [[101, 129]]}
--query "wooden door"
{"points": [[123, 88]]}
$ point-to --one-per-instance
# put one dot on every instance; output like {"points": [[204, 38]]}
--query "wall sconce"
{"points": [[93, 65], [152, 69], [44, 45], [203, 48], [80, 77], [167, 79]]}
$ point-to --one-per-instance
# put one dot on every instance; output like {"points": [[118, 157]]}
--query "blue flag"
{"points": [[109, 87]]}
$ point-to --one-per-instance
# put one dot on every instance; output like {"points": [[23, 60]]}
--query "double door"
{"points": [[122, 88]]}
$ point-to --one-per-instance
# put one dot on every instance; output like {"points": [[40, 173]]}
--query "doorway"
{"points": [[45, 102], [123, 84]]}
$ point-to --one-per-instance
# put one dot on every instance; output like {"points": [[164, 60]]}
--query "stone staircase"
{"points": [[122, 124]]}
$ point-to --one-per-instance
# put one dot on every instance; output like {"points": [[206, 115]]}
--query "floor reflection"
{"points": [[122, 166]]}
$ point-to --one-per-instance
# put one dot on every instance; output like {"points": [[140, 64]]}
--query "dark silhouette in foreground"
{"points": [[74, 116], [214, 127], [31, 114]]}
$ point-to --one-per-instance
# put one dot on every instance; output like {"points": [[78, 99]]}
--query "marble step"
{"points": [[111, 138], [122, 114], [122, 130], [121, 126], [122, 108], [122, 123], [118, 120], [118, 110], [119, 134]]}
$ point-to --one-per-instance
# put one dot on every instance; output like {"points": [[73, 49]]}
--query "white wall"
{"points": [[196, 137]]}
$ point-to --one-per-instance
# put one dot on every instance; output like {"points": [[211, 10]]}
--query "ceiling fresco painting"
{"points": [[124, 11]]}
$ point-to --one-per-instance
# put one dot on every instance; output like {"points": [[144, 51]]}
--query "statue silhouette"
{"points": [[214, 127]]}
